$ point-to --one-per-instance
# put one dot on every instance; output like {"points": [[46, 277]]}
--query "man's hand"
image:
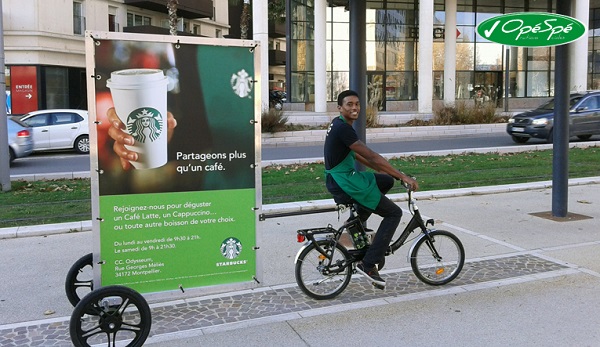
{"points": [[409, 182], [117, 133]]}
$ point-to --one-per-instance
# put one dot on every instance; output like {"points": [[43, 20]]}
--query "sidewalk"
{"points": [[528, 281]]}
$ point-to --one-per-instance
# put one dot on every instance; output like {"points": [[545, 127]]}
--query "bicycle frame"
{"points": [[416, 222]]}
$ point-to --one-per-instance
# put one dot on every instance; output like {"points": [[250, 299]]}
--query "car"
{"points": [[20, 139], [59, 129], [584, 119]]}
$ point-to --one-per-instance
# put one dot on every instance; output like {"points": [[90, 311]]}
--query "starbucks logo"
{"points": [[145, 124], [231, 248], [241, 83]]}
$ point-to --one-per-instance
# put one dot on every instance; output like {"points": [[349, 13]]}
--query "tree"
{"points": [[172, 9], [276, 12]]}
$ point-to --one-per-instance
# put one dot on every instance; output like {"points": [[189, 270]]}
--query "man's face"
{"points": [[350, 108]]}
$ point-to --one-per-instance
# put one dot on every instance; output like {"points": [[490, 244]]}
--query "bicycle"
{"points": [[324, 267]]}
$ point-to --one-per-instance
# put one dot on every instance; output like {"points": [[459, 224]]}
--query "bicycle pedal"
{"points": [[378, 286]]}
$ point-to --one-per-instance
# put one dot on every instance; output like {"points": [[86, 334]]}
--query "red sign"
{"points": [[23, 89]]}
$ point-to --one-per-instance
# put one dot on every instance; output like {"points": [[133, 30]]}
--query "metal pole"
{"points": [[560, 159], [4, 157], [358, 64], [507, 79]]}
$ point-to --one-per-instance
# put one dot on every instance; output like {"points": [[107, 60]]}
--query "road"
{"points": [[54, 162]]}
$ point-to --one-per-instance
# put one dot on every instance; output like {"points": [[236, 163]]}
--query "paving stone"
{"points": [[237, 308]]}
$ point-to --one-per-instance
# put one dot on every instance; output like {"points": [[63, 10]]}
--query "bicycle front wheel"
{"points": [[319, 277], [437, 259]]}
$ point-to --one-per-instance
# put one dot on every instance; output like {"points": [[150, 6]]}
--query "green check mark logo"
{"points": [[488, 33]]}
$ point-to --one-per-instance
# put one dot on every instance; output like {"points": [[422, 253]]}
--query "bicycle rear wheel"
{"points": [[320, 278], [437, 259]]}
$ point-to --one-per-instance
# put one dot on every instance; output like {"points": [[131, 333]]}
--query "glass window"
{"points": [[465, 34], [401, 86], [438, 56], [63, 118], [489, 57], [303, 53], [401, 56], [340, 55], [37, 121], [539, 5], [78, 18], [375, 56], [465, 15], [538, 84], [337, 81], [438, 85], [538, 58], [57, 87], [341, 31], [590, 103], [465, 56], [464, 84], [299, 91]]}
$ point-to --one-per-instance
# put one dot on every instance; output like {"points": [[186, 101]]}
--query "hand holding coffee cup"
{"points": [[122, 138], [140, 101]]}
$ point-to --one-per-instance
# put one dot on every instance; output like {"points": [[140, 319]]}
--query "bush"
{"points": [[462, 113], [273, 121]]}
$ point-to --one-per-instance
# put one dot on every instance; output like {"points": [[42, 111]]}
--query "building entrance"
{"points": [[488, 87]]}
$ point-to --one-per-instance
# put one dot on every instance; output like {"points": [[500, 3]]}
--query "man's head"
{"points": [[349, 105], [344, 94]]}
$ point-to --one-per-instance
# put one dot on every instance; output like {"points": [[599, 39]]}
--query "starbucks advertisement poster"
{"points": [[174, 152]]}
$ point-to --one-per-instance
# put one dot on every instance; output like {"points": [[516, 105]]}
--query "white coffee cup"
{"points": [[140, 100]]}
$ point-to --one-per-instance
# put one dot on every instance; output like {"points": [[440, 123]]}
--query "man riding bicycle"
{"points": [[342, 149]]}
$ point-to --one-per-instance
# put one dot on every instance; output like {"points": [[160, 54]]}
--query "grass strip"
{"points": [[57, 201]]}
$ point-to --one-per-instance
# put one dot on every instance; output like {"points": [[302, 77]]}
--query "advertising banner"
{"points": [[23, 89], [174, 152]]}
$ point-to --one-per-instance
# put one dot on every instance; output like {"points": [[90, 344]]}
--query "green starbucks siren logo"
{"points": [[531, 29], [231, 248], [145, 124]]}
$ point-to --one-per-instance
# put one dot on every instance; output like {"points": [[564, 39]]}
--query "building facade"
{"points": [[45, 49], [420, 53]]}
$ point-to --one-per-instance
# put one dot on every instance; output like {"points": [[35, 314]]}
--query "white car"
{"points": [[59, 129]]}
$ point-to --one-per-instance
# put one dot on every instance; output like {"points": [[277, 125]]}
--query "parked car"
{"points": [[584, 119], [59, 129], [20, 139]]}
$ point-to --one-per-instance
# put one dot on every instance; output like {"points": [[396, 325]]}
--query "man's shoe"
{"points": [[371, 274]]}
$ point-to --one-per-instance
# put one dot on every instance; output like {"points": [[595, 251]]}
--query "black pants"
{"points": [[387, 209]]}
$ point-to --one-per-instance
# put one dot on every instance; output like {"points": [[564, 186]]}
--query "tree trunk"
{"points": [[245, 20], [172, 8]]}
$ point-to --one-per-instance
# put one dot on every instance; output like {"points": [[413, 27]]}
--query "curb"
{"points": [[313, 206]]}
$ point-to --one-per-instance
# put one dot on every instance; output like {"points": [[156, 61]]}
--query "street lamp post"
{"points": [[4, 157]]}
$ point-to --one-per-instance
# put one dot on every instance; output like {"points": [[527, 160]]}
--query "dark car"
{"points": [[584, 119]]}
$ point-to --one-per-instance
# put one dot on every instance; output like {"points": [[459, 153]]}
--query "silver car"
{"points": [[59, 129], [20, 139]]}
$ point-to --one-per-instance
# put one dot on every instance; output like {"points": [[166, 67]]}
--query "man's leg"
{"points": [[384, 183], [391, 214]]}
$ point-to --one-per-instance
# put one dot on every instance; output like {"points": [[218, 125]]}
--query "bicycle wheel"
{"points": [[320, 278], [108, 315], [432, 269], [79, 281]]}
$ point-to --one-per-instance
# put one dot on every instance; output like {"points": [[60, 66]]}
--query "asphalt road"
{"points": [[54, 162]]}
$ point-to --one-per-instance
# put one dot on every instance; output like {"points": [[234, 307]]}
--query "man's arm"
{"points": [[375, 161]]}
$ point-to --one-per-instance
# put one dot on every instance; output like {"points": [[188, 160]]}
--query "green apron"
{"points": [[360, 185]]}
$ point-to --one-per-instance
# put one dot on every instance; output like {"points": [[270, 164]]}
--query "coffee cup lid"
{"points": [[135, 78]]}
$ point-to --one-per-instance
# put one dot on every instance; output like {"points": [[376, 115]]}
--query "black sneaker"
{"points": [[371, 274]]}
